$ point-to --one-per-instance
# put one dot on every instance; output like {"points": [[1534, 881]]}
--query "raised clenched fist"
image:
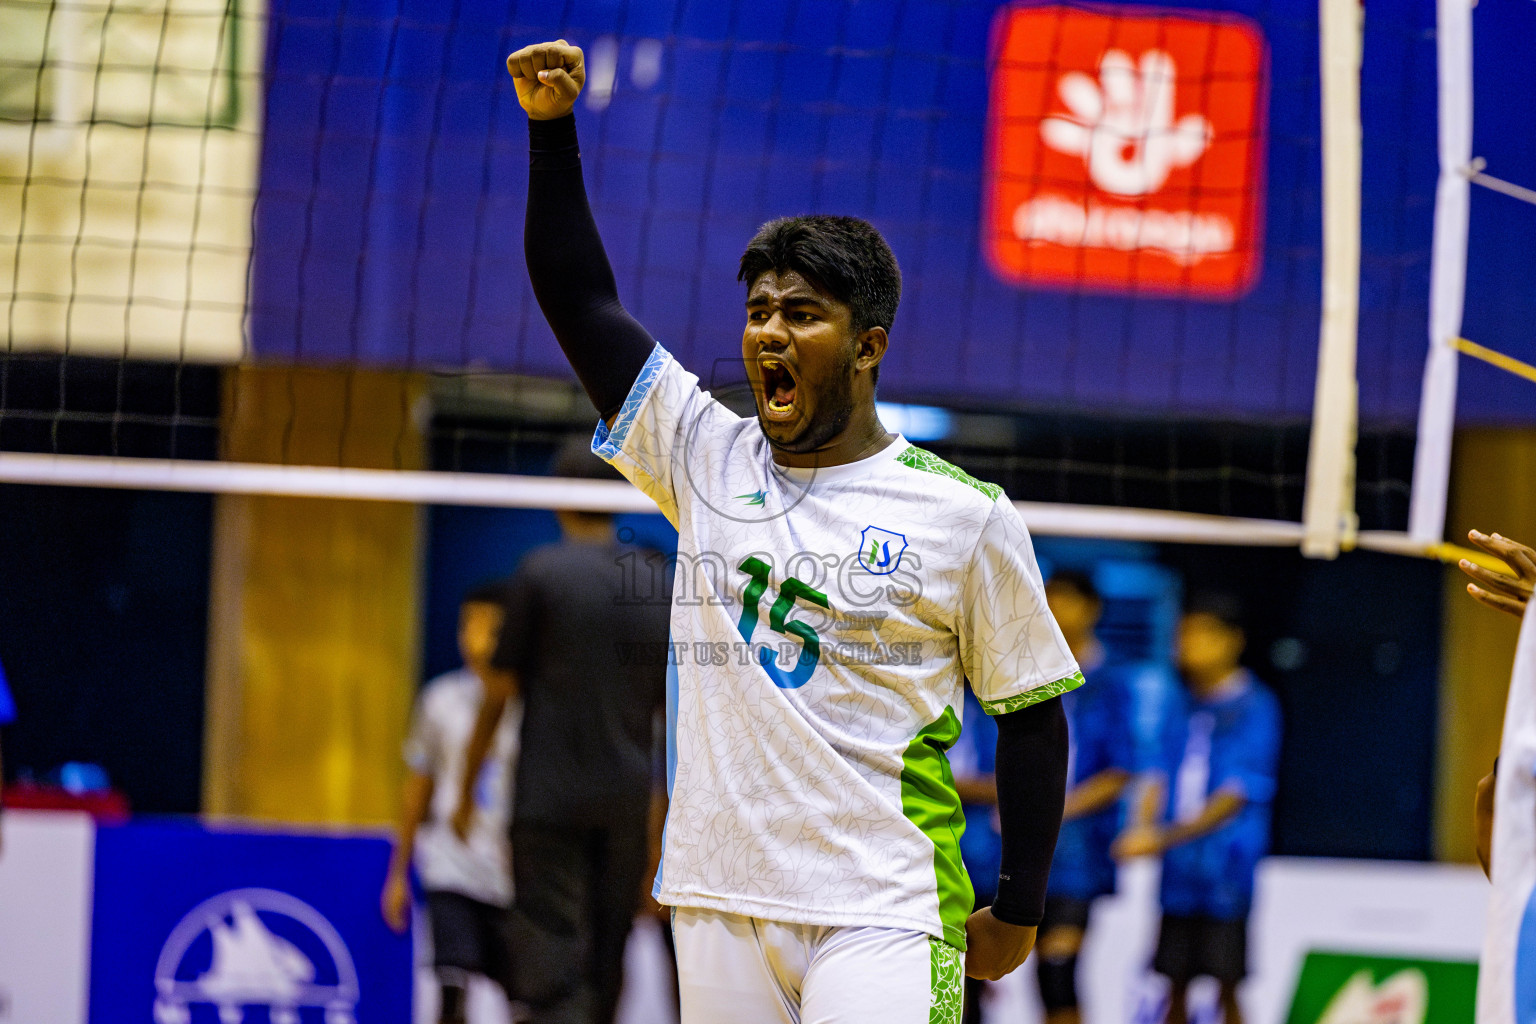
{"points": [[549, 77]]}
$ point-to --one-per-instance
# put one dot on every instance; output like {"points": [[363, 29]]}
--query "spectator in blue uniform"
{"points": [[7, 716], [1207, 810], [1099, 760], [973, 761], [1099, 767]]}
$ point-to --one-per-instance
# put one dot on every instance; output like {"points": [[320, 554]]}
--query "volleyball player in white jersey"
{"points": [[836, 589]]}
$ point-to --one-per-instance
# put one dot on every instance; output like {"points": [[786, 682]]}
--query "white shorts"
{"points": [[744, 970]]}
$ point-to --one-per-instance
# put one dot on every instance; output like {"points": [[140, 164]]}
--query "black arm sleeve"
{"points": [[1031, 795], [570, 273]]}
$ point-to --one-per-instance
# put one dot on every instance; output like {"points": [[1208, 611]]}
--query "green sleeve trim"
{"points": [[1035, 696], [924, 460]]}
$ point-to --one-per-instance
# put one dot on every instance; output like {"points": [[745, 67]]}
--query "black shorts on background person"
{"points": [[1189, 947], [469, 936]]}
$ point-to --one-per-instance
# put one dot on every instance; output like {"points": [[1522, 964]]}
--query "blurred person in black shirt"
{"points": [[584, 640]]}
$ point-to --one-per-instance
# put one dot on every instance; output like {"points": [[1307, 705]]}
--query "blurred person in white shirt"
{"points": [[468, 882]]}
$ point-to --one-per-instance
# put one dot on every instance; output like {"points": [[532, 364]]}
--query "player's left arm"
{"points": [[1031, 793], [1018, 663]]}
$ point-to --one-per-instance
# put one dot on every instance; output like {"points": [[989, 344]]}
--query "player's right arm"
{"points": [[423, 753], [497, 688], [501, 675], [567, 265], [395, 900], [650, 406]]}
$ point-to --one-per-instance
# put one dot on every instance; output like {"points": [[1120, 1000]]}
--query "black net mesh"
{"points": [[192, 186]]}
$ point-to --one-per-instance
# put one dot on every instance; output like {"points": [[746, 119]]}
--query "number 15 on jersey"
{"points": [[793, 589]]}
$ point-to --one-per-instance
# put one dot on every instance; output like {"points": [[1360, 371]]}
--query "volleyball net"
{"points": [[1167, 271]]}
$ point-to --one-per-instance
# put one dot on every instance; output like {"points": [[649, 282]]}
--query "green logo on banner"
{"points": [[1348, 988]]}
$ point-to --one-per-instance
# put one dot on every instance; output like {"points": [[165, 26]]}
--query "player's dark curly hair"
{"points": [[843, 256]]}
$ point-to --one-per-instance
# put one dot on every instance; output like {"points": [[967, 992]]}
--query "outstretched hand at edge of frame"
{"points": [[548, 77], [1499, 590]]}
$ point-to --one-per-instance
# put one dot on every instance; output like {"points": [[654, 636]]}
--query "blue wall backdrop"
{"points": [[389, 225]]}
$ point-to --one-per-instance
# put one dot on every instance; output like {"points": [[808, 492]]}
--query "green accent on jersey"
{"points": [[920, 458], [1035, 696], [758, 570], [946, 992], [930, 801], [757, 498]]}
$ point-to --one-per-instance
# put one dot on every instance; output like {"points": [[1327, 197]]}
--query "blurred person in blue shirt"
{"points": [[1099, 766], [7, 716], [1099, 761], [973, 761], [1206, 808]]}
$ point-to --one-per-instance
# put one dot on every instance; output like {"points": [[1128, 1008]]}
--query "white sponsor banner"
{"points": [[1410, 910], [46, 867], [1429, 911]]}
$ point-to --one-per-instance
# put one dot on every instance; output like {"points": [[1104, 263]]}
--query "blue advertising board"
{"points": [[196, 926], [389, 211]]}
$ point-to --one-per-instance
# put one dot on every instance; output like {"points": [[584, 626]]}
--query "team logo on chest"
{"points": [[880, 550]]}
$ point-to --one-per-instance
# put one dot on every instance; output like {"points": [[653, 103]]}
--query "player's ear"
{"points": [[872, 344]]}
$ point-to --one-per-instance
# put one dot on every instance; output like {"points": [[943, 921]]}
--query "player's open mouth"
{"points": [[779, 387]]}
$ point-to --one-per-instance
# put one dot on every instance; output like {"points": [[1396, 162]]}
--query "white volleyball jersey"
{"points": [[479, 866], [1506, 979], [824, 623]]}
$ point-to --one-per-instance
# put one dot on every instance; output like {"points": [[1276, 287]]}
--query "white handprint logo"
{"points": [[1122, 126]]}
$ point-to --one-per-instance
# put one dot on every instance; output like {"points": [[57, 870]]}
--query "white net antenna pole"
{"points": [[1447, 274], [1328, 509]]}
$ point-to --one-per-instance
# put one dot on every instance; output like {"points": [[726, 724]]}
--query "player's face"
{"points": [[479, 629], [799, 349]]}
